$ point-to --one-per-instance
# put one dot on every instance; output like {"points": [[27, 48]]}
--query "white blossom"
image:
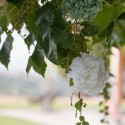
{"points": [[88, 74]]}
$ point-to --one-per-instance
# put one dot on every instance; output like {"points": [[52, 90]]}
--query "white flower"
{"points": [[88, 73]]}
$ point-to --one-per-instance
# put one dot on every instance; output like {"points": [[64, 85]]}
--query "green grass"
{"points": [[20, 106], [11, 121], [55, 105]]}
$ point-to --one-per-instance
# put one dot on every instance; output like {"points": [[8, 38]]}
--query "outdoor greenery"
{"points": [[61, 30], [21, 106], [58, 39], [11, 121]]}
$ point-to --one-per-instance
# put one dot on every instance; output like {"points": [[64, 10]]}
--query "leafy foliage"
{"points": [[37, 61], [62, 31], [79, 105], [59, 39], [103, 107], [5, 51], [29, 40]]}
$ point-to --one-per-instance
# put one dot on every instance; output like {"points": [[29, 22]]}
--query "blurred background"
{"points": [[29, 99]]}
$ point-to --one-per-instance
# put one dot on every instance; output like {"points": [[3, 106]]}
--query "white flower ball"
{"points": [[88, 74]]}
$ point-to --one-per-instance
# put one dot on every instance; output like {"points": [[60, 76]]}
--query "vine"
{"points": [[103, 107], [79, 105]]}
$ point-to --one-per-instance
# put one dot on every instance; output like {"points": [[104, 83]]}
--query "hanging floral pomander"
{"points": [[81, 9], [88, 74]]}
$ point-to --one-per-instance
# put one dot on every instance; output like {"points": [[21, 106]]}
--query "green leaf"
{"points": [[37, 62], [84, 105], [37, 56], [78, 105], [71, 83], [104, 121], [107, 32], [29, 65], [85, 123], [59, 19], [5, 51], [101, 110], [0, 33], [61, 38], [11, 12], [82, 118], [50, 48], [89, 29], [101, 103], [106, 16], [30, 22], [52, 55], [51, 25], [59, 30], [44, 19], [4, 22], [45, 13], [39, 69], [108, 85], [29, 40]]}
